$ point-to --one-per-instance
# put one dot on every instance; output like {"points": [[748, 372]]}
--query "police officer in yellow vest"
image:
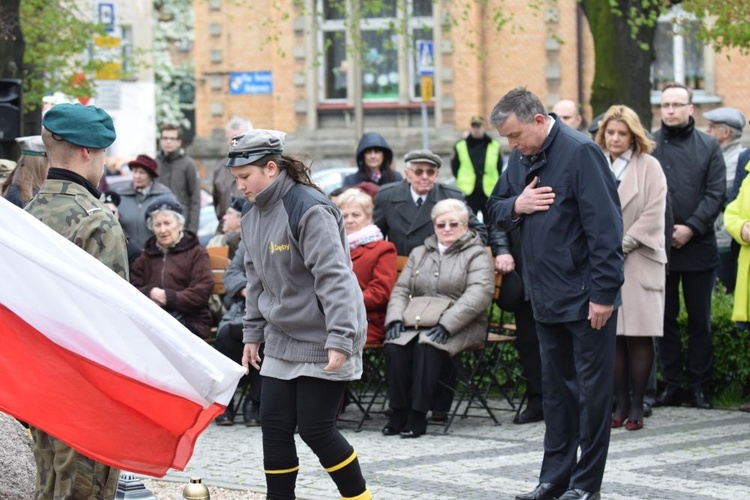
{"points": [[476, 164]]}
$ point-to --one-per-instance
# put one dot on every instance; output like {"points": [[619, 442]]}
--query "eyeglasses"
{"points": [[419, 172], [674, 105], [477, 125], [452, 225], [169, 138]]}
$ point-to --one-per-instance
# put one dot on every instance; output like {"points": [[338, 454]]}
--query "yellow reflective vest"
{"points": [[466, 178]]}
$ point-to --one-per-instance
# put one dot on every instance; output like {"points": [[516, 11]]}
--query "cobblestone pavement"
{"points": [[682, 453]]}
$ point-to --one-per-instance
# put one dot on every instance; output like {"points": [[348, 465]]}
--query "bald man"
{"points": [[567, 111]]}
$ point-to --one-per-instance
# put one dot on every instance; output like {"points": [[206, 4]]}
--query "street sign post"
{"points": [[426, 70]]}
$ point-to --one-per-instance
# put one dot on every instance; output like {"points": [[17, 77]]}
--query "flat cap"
{"points": [[254, 145], [31, 145], [728, 116], [478, 120], [84, 126], [423, 155]]}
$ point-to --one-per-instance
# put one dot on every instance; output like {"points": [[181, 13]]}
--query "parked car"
{"points": [[331, 178]]}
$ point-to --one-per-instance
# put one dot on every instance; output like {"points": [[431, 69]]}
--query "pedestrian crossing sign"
{"points": [[425, 58]]}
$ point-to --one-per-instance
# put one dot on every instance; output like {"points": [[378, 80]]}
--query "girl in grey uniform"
{"points": [[304, 302]]}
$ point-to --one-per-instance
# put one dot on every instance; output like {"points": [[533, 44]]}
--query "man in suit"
{"points": [[559, 192], [402, 209]]}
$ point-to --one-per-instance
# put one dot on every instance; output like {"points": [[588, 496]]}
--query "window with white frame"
{"points": [[679, 54], [384, 53]]}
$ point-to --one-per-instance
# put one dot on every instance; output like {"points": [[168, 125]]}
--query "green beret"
{"points": [[84, 126]]}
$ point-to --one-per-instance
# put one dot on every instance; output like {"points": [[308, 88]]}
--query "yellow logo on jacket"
{"points": [[278, 247]]}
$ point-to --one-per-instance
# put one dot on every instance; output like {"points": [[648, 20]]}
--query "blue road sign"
{"points": [[251, 82], [425, 58]]}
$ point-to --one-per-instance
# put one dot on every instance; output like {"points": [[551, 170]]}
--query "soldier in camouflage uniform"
{"points": [[75, 138]]}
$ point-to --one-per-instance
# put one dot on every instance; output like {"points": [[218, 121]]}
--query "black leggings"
{"points": [[310, 405]]}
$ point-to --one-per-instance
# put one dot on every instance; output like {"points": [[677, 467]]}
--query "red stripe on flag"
{"points": [[104, 415]]}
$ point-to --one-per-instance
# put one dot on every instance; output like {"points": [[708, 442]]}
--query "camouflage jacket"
{"points": [[72, 211]]}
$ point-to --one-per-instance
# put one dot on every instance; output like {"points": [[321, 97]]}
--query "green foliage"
{"points": [[59, 44], [731, 346], [175, 83], [723, 22]]}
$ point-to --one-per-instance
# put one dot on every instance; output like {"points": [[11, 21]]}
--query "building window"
{"points": [[679, 56], [384, 53]]}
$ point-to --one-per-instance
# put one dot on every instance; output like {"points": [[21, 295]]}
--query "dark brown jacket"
{"points": [[184, 272]]}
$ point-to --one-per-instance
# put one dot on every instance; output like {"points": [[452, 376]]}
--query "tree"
{"points": [[723, 22], [623, 33]]}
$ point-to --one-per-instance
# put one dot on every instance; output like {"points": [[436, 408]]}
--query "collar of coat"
{"points": [[679, 131]]}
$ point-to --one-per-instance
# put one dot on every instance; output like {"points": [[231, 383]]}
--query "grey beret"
{"points": [[423, 155], [254, 145], [728, 116]]}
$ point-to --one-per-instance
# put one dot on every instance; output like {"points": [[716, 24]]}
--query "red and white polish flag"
{"points": [[89, 359]]}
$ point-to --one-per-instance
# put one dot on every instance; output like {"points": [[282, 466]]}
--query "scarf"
{"points": [[620, 165], [367, 234]]}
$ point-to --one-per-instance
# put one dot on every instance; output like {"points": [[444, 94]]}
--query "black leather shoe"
{"points": [[528, 416], [226, 418], [250, 414], [647, 410], [410, 434], [701, 401], [439, 416], [544, 491], [576, 494], [670, 397], [389, 431]]}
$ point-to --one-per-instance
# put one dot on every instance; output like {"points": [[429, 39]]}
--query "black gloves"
{"points": [[438, 334], [394, 330]]}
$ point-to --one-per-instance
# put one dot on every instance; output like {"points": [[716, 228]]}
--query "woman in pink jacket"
{"points": [[643, 196]]}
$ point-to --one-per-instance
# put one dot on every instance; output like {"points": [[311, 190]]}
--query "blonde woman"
{"points": [[642, 188]]}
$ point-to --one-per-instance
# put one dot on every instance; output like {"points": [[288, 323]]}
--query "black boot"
{"points": [[251, 413], [226, 418]]}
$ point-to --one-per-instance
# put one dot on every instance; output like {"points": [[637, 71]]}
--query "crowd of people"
{"points": [[597, 235]]}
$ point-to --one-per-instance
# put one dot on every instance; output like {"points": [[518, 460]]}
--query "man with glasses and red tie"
{"points": [[696, 178], [178, 172]]}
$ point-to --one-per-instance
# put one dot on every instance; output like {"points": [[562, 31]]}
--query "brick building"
{"points": [[284, 67]]}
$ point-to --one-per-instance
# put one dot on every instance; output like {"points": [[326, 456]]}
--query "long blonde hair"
{"points": [[625, 115]]}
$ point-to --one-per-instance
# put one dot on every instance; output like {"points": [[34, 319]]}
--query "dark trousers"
{"points": [[413, 375], [310, 405], [527, 344], [578, 375], [727, 272], [696, 288]]}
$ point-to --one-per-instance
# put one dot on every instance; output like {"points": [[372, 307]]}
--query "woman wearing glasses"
{"points": [[453, 264]]}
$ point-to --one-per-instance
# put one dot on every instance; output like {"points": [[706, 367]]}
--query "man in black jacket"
{"points": [[696, 177], [558, 190]]}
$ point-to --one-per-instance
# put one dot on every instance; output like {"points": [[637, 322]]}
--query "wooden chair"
{"points": [[219, 263]]}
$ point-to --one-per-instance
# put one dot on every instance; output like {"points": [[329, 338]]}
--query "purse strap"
{"points": [[414, 276]]}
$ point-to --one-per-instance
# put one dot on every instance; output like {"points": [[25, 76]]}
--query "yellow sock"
{"points": [[365, 495]]}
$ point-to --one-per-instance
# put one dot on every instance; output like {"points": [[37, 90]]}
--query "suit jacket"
{"points": [[643, 197], [407, 226]]}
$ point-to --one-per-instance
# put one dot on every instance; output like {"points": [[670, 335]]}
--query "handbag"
{"points": [[423, 311]]}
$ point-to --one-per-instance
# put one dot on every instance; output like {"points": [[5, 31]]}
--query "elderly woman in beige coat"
{"points": [[643, 196], [452, 264]]}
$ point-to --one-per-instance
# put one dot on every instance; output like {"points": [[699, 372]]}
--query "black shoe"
{"points": [[389, 431], [647, 410], [544, 491], [416, 425], [251, 414], [226, 418], [576, 494], [410, 434], [528, 416], [439, 416], [671, 396], [700, 400]]}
